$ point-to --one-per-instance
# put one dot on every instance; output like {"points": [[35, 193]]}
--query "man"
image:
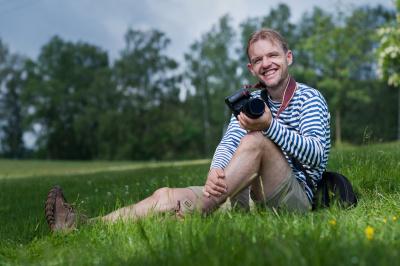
{"points": [[254, 154]]}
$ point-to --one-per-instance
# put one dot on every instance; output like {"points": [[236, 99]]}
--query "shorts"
{"points": [[289, 195]]}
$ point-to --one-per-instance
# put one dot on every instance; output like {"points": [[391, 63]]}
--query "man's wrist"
{"points": [[268, 124], [266, 130], [214, 168]]}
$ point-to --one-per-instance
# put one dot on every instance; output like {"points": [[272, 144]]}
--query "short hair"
{"points": [[267, 34]]}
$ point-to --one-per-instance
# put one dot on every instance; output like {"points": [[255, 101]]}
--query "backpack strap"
{"points": [[310, 184]]}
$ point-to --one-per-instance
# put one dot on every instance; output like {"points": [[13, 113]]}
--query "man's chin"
{"points": [[270, 83]]}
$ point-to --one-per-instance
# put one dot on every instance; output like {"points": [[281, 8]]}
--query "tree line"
{"points": [[76, 104]]}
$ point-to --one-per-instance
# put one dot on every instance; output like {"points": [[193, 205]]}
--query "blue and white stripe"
{"points": [[302, 131]]}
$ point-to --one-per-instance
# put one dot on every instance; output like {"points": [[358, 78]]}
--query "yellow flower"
{"points": [[332, 222], [369, 232], [384, 220], [394, 218]]}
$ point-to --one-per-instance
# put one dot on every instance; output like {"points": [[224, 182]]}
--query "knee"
{"points": [[161, 193], [253, 141]]}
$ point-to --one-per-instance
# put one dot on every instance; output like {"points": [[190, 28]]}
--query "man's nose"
{"points": [[265, 61]]}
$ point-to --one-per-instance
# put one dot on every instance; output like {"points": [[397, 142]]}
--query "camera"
{"points": [[241, 101]]}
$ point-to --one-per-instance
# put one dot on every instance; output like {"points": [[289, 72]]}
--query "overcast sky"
{"points": [[26, 25]]}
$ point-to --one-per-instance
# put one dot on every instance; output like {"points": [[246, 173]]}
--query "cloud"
{"points": [[104, 23]]}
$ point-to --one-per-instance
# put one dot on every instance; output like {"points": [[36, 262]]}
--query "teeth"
{"points": [[269, 72]]}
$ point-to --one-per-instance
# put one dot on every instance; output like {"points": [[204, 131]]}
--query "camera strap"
{"points": [[291, 87], [288, 94]]}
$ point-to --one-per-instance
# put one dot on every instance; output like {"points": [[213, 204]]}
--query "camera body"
{"points": [[241, 101]]}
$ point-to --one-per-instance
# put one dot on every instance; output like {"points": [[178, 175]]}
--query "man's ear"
{"points": [[250, 68], [289, 57]]}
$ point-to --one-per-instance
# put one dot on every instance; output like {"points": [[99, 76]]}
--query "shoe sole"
{"points": [[50, 205]]}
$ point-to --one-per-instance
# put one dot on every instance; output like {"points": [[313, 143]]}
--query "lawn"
{"points": [[366, 235]]}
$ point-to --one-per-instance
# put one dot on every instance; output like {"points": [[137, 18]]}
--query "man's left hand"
{"points": [[258, 124]]}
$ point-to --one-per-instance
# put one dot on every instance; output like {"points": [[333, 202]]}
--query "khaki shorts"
{"points": [[289, 195]]}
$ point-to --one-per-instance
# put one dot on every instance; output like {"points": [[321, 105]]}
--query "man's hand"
{"points": [[258, 124], [215, 185]]}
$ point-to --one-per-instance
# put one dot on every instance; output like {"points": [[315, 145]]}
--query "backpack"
{"points": [[334, 188]]}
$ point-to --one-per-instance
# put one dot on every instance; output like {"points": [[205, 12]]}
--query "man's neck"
{"points": [[276, 93]]}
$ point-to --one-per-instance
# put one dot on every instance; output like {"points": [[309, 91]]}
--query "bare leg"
{"points": [[162, 200], [241, 200], [255, 156]]}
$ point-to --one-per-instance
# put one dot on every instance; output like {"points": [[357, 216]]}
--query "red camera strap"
{"points": [[287, 95]]}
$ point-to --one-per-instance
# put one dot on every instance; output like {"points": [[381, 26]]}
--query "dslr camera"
{"points": [[241, 101]]}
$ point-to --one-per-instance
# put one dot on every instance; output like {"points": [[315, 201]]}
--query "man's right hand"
{"points": [[216, 184]]}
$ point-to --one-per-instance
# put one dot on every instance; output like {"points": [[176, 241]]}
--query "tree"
{"points": [[310, 24], [68, 89], [212, 71], [389, 56], [11, 108], [146, 78], [341, 55]]}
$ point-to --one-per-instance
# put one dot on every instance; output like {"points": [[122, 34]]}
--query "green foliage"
{"points": [[78, 105], [68, 86], [150, 109], [366, 120], [12, 110], [212, 72], [258, 237], [389, 51], [340, 50], [389, 56]]}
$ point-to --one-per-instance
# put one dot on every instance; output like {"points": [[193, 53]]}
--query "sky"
{"points": [[26, 25]]}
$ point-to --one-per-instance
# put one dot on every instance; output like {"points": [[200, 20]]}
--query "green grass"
{"points": [[17, 169], [326, 237]]}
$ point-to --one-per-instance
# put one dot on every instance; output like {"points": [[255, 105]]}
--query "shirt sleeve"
{"points": [[307, 145], [228, 145]]}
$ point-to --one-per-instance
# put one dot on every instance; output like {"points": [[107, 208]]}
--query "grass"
{"points": [[19, 169], [325, 237]]}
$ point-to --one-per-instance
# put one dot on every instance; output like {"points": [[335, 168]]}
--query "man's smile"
{"points": [[269, 72]]}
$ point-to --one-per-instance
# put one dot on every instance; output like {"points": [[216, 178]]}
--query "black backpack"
{"points": [[334, 188]]}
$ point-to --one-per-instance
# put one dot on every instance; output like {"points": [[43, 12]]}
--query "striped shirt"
{"points": [[302, 131]]}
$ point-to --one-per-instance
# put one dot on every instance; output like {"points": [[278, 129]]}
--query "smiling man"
{"points": [[290, 141], [268, 157]]}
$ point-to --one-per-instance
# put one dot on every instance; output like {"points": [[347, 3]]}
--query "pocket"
{"points": [[296, 199]]}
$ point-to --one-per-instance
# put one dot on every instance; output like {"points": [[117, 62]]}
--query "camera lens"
{"points": [[254, 108]]}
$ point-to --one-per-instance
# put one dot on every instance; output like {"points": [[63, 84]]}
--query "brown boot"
{"points": [[60, 215]]}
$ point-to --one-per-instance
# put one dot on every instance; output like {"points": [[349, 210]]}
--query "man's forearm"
{"points": [[221, 157]]}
